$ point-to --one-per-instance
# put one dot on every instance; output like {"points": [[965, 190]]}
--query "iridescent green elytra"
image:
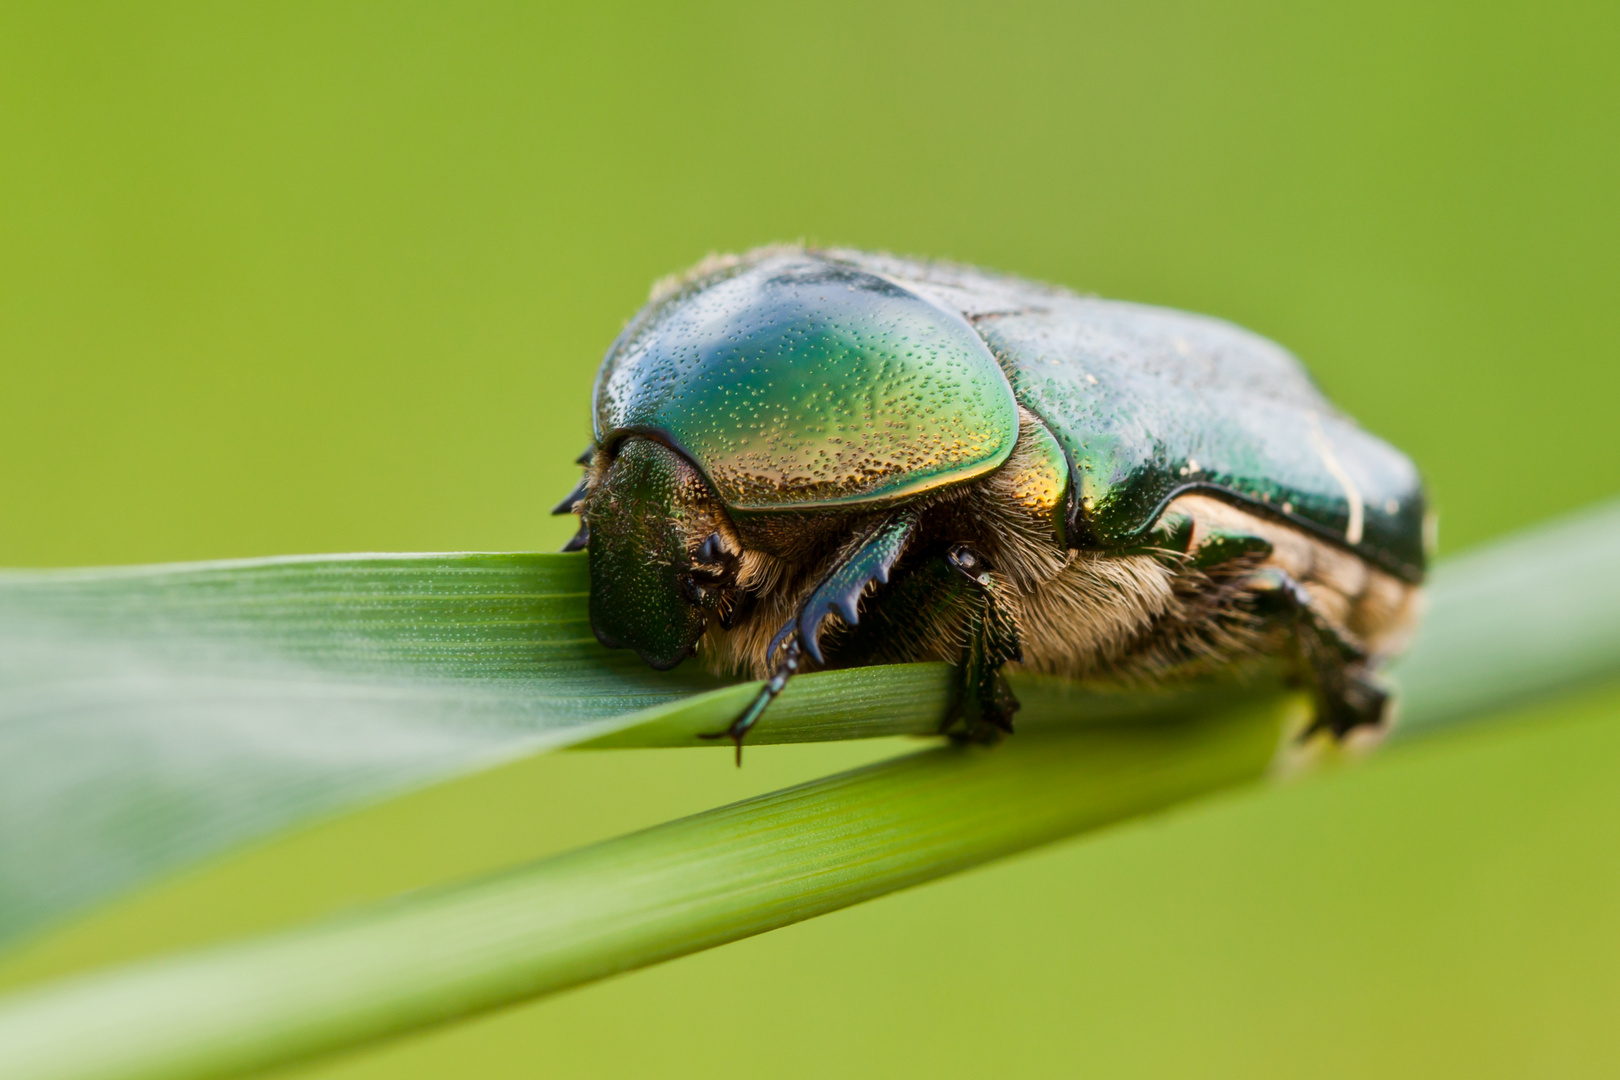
{"points": [[822, 435], [810, 385]]}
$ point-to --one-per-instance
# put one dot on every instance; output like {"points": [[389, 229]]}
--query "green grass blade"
{"points": [[908, 699], [684, 886], [762, 863], [153, 716], [1536, 613]]}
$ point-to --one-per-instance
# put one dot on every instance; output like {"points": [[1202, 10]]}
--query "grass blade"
{"points": [[746, 868], [1534, 614], [153, 716], [651, 896]]}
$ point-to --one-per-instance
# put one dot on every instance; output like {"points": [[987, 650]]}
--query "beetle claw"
{"points": [[739, 728], [572, 500], [774, 685]]}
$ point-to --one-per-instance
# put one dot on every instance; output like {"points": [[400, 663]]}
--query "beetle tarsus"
{"points": [[1359, 701], [773, 686]]}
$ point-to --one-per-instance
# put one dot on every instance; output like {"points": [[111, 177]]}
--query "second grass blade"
{"points": [[674, 889]]}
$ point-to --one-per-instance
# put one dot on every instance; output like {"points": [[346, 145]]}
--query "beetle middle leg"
{"points": [[947, 606], [984, 704]]}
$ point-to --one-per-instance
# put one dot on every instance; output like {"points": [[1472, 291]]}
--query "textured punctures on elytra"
{"points": [[893, 426]]}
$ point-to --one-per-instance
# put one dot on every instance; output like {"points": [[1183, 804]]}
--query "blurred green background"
{"points": [[322, 277]]}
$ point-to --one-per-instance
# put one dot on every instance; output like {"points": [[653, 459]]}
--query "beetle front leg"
{"points": [[864, 563], [785, 669], [571, 502], [984, 704]]}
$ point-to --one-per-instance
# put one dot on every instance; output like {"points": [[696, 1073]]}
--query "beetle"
{"points": [[811, 459]]}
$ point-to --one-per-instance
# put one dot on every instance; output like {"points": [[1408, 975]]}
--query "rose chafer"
{"points": [[811, 459]]}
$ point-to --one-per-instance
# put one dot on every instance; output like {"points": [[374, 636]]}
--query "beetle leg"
{"points": [[1348, 694], [944, 608], [842, 588], [571, 501], [785, 669], [570, 505], [841, 591], [984, 702]]}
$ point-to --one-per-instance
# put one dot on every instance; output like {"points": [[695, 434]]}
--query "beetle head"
{"points": [[660, 567]]}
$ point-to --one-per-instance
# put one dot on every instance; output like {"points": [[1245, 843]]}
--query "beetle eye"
{"points": [[710, 551]]}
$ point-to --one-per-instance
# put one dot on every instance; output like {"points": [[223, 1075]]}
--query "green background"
{"points": [[336, 277]]}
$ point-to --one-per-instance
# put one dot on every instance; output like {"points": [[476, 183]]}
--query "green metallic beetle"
{"points": [[831, 458]]}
